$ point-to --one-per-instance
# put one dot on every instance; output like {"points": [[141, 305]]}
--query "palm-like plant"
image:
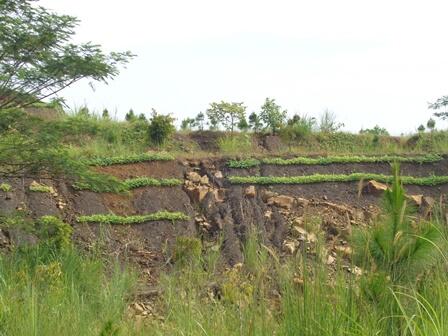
{"points": [[398, 247]]}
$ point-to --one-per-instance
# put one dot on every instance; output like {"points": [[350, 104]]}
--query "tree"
{"points": [[142, 117], [187, 124], [199, 121], [255, 122], [227, 114], [431, 124], [243, 125], [272, 115], [38, 59], [160, 128], [130, 116], [328, 122], [439, 104], [421, 129], [105, 114]]}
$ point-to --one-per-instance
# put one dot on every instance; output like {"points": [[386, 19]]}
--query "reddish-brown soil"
{"points": [[158, 169]]}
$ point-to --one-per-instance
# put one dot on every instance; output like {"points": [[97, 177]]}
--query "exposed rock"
{"points": [[267, 194], [303, 202], [346, 251], [282, 201], [289, 246], [415, 200], [330, 259], [218, 174], [204, 180], [375, 188], [193, 177], [197, 193], [250, 191]]}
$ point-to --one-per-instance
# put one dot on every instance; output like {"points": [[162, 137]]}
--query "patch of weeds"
{"points": [[235, 143], [318, 178], [247, 163], [108, 161], [129, 184], [40, 187], [115, 219], [187, 250], [54, 231], [5, 187]]}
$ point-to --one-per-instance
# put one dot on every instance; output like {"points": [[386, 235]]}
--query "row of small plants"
{"points": [[129, 184], [115, 219], [317, 178], [115, 160], [251, 162]]}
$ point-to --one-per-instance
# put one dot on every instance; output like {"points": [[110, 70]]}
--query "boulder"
{"points": [[375, 188], [197, 193], [415, 200], [193, 177], [204, 180], [282, 201]]}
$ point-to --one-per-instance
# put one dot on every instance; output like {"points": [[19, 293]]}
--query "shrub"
{"points": [[5, 187], [54, 231], [40, 187], [297, 129], [187, 250], [160, 128]]}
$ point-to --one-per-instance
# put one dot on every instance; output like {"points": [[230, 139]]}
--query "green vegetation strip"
{"points": [[114, 219], [317, 178], [333, 159], [109, 161], [133, 183]]}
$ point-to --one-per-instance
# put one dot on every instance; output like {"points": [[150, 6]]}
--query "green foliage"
{"points": [[187, 250], [187, 124], [129, 184], [229, 115], [235, 143], [160, 128], [243, 125], [297, 129], [199, 121], [318, 178], [247, 163], [55, 232], [375, 131], [114, 219], [421, 129], [130, 116], [5, 187], [431, 124], [255, 122], [440, 104], [144, 157], [40, 187], [398, 250], [105, 114], [38, 58], [272, 115], [44, 292]]}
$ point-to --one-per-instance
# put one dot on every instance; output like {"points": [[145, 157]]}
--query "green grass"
{"points": [[115, 160], [115, 219], [247, 163], [130, 184], [318, 178], [64, 293]]}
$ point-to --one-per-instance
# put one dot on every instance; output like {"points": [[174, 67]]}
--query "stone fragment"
{"points": [[204, 180], [282, 201], [193, 177], [415, 200], [218, 174], [250, 191], [375, 188]]}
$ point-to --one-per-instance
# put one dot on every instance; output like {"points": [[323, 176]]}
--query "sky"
{"points": [[369, 62]]}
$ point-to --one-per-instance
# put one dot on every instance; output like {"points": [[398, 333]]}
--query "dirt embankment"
{"points": [[283, 215]]}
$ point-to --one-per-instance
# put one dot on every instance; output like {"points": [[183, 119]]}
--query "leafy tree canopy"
{"points": [[440, 104], [38, 59], [272, 115], [227, 114]]}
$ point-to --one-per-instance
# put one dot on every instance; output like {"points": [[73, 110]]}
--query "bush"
{"points": [[54, 231], [160, 128], [187, 250], [5, 187]]}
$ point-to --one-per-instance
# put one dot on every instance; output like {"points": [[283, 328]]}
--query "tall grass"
{"points": [[43, 292]]}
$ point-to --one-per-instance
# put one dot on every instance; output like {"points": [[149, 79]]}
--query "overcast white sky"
{"points": [[371, 62]]}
